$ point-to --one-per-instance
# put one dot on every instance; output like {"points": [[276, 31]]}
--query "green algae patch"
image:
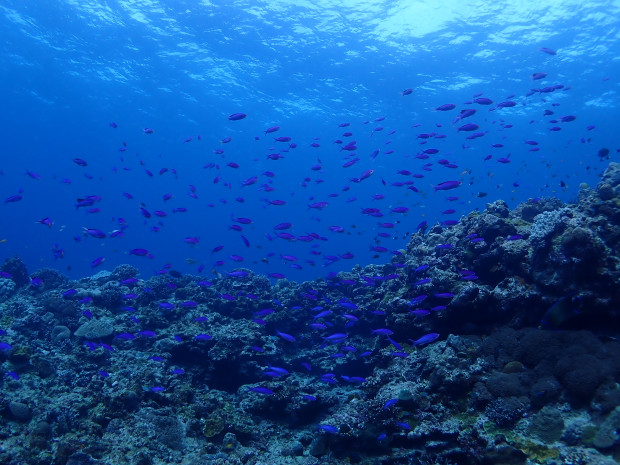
{"points": [[535, 451], [213, 426], [492, 429]]}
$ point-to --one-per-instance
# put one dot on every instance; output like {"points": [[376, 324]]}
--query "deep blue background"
{"points": [[68, 69]]}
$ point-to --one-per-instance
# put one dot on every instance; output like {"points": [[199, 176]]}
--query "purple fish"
{"points": [[547, 50], [97, 261], [188, 304], [286, 337], [139, 252], [447, 185], [5, 346], [338, 337], [13, 198], [469, 127], [237, 116], [426, 339], [382, 331], [506, 104], [69, 293], [328, 429], [95, 233], [389, 403], [238, 274], [261, 390], [446, 107], [146, 333]]}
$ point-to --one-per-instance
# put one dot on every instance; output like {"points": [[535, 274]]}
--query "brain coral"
{"points": [[95, 329]]}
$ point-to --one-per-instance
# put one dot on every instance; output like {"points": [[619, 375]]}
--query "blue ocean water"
{"points": [[71, 68]]}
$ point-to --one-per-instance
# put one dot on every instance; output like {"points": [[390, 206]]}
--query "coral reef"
{"points": [[502, 350]]}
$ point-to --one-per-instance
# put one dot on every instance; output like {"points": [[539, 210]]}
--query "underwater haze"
{"points": [[128, 102], [309, 232]]}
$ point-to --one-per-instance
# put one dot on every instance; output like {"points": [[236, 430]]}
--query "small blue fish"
{"points": [[5, 346], [382, 331], [286, 337], [444, 295], [426, 339], [389, 403], [335, 338], [328, 429], [261, 390]]}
